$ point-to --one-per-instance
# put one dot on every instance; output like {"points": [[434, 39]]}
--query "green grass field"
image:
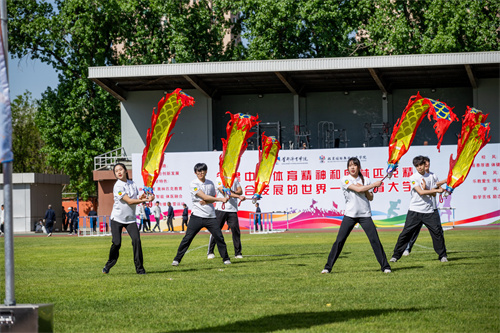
{"points": [[277, 286]]}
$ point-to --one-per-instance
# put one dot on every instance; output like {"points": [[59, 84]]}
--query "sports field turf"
{"points": [[277, 286]]}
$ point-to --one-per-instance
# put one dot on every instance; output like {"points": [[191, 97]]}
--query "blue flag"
{"points": [[6, 154]]}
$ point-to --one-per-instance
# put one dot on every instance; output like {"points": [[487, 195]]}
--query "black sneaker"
{"points": [[105, 270], [141, 272]]}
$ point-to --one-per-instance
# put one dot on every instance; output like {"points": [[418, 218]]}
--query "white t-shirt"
{"points": [[123, 212], [208, 187], [434, 181], [156, 210], [232, 204], [421, 203], [356, 204]]}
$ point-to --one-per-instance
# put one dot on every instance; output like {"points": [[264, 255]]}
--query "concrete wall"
{"points": [[270, 108], [192, 132], [31, 195], [488, 100], [201, 128]]}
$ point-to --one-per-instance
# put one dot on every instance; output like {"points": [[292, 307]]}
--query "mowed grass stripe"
{"points": [[277, 286]]}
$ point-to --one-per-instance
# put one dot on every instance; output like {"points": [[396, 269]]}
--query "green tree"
{"points": [[427, 26], [177, 31], [288, 29], [27, 143], [77, 120]]}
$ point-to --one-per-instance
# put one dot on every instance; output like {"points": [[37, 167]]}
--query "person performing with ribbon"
{"points": [[238, 132]]}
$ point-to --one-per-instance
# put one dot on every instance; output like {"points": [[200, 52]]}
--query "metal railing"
{"points": [[94, 226], [107, 160], [262, 223]]}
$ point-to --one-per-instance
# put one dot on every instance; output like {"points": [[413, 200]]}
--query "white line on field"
{"points": [[227, 242], [425, 247]]}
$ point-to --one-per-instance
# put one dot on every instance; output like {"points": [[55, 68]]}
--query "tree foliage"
{"points": [[26, 138], [296, 29], [78, 120], [428, 26]]}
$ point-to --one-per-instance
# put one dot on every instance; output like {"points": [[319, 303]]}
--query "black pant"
{"points": [[170, 224], [49, 225], [184, 223], [414, 237], [65, 225], [414, 221], [157, 225], [73, 226], [195, 225], [146, 226], [233, 223], [114, 252], [346, 227]]}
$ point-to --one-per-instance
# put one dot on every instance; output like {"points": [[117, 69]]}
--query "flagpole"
{"points": [[7, 187]]}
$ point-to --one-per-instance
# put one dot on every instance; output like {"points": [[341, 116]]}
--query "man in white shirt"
{"points": [[434, 183], [202, 215], [421, 211], [157, 213], [228, 214]]}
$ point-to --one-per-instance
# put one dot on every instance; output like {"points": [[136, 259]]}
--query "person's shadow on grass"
{"points": [[299, 320]]}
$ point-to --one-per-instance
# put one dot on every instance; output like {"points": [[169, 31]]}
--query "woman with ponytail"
{"points": [[358, 194], [126, 197]]}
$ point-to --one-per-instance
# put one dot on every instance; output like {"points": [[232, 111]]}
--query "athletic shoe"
{"points": [[325, 271], [227, 262], [49, 235], [105, 270], [393, 259], [210, 256], [175, 263], [239, 256], [141, 272], [444, 259], [406, 253], [387, 271]]}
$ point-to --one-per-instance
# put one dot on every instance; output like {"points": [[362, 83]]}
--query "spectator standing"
{"points": [[157, 214], [73, 220], [258, 217], [185, 214], [170, 217], [147, 215], [64, 217], [93, 218], [50, 218], [142, 216]]}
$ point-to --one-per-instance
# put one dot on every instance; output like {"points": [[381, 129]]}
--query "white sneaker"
{"points": [[325, 271], [393, 259], [175, 263], [387, 271], [227, 262], [444, 259], [239, 256], [211, 256], [406, 253]]}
